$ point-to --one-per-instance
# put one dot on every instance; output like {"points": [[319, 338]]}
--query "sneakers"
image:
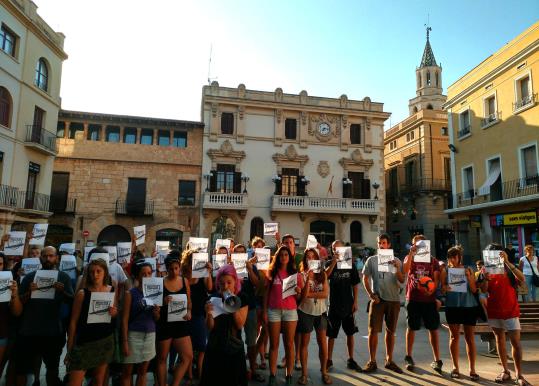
{"points": [[352, 365], [329, 365], [393, 367], [409, 362], [370, 367], [288, 380], [437, 366]]}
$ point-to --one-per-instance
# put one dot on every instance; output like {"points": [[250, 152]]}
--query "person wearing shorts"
{"points": [[384, 305], [503, 314], [343, 289], [421, 304]]}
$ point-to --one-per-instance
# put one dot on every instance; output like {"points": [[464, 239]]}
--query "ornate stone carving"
{"points": [[241, 91], [366, 103], [323, 169], [344, 101], [278, 94], [214, 87], [278, 115], [241, 111], [225, 153], [344, 121], [291, 152], [303, 97], [214, 109], [368, 123], [226, 147], [290, 158], [356, 156], [332, 120], [356, 162], [303, 116]]}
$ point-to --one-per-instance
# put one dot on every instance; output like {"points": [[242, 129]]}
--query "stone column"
{"points": [[138, 135], [66, 129], [85, 124], [122, 130]]}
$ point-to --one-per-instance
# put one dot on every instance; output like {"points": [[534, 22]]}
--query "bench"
{"points": [[529, 327]]}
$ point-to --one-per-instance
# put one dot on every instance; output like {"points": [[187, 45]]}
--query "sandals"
{"points": [[474, 377], [455, 374], [326, 379], [302, 380], [297, 366], [504, 376], [522, 382]]}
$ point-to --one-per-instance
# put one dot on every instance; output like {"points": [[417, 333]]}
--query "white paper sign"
{"points": [[140, 234], [199, 262], [271, 228], [423, 251], [200, 244], [162, 245], [493, 262], [385, 261], [314, 265], [98, 311], [39, 233], [222, 243], [30, 264], [113, 253], [218, 308], [45, 280], [68, 264], [311, 242], [152, 289], [263, 258], [100, 256], [15, 244], [153, 263], [69, 248], [345, 257], [123, 252], [289, 285], [456, 280], [217, 262], [5, 286], [239, 260], [177, 308]]}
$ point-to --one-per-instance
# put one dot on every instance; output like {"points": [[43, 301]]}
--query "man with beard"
{"points": [[41, 333]]}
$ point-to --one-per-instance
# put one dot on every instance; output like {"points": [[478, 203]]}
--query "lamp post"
{"points": [[207, 178], [245, 179], [376, 185]]}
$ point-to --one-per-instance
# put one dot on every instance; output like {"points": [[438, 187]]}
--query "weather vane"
{"points": [[427, 26]]}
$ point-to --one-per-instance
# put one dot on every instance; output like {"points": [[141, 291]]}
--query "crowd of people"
{"points": [[111, 330]]}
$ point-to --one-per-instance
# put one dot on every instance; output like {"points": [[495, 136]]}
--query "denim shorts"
{"points": [[280, 315]]}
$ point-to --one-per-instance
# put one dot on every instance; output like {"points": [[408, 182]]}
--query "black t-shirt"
{"points": [[199, 297], [341, 295], [249, 289]]}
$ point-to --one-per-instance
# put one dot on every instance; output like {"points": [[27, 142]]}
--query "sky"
{"points": [[151, 58]]}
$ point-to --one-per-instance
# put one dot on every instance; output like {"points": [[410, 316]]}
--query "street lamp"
{"points": [[305, 180], [376, 185], [275, 178], [347, 181], [245, 179]]}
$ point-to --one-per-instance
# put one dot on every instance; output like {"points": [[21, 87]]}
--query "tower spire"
{"points": [[428, 56]]}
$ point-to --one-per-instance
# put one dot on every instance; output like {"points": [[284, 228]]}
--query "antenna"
{"points": [[427, 26], [209, 66]]}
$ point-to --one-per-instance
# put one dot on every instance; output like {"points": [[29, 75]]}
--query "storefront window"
{"points": [[510, 236]]}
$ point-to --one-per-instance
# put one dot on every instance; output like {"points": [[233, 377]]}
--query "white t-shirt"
{"points": [[117, 273], [526, 269]]}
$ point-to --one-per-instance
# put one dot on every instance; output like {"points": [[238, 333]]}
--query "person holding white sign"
{"points": [[199, 287], [41, 332], [138, 327], [460, 309], [258, 243], [383, 287], [91, 345], [312, 314], [503, 313], [421, 303], [174, 333], [529, 265], [10, 304], [281, 314], [224, 362]]}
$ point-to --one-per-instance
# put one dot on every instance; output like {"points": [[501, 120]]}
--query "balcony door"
{"points": [[289, 182], [59, 190], [135, 201], [225, 179], [31, 184], [37, 126], [361, 187]]}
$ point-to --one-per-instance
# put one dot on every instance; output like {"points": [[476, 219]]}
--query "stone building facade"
{"points": [[31, 56], [114, 172], [312, 164], [417, 165]]}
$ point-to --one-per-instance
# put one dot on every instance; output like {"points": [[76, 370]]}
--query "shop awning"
{"points": [[491, 178]]}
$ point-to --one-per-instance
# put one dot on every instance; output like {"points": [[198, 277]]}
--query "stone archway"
{"points": [[113, 234]]}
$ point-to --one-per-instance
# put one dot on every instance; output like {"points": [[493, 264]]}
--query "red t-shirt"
{"points": [[417, 271], [275, 294], [502, 298]]}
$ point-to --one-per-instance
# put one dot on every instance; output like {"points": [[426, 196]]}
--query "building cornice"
{"points": [[68, 115], [421, 117], [493, 204]]}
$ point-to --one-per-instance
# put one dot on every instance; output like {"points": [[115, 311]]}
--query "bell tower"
{"points": [[428, 82]]}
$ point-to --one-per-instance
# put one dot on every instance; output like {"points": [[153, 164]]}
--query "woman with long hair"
{"points": [[200, 287], [460, 310], [312, 313], [224, 362], [90, 345], [175, 334], [138, 328], [281, 314]]}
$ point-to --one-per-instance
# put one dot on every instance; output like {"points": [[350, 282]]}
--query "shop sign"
{"points": [[520, 218], [496, 220], [475, 221]]}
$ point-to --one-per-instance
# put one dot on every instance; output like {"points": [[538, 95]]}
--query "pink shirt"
{"points": [[275, 294]]}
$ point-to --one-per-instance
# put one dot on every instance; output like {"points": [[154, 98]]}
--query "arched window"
{"points": [[223, 228], [257, 228], [415, 109], [324, 231], [429, 107], [113, 234], [5, 107], [356, 233], [428, 78], [173, 236], [418, 80], [436, 78], [42, 75]]}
